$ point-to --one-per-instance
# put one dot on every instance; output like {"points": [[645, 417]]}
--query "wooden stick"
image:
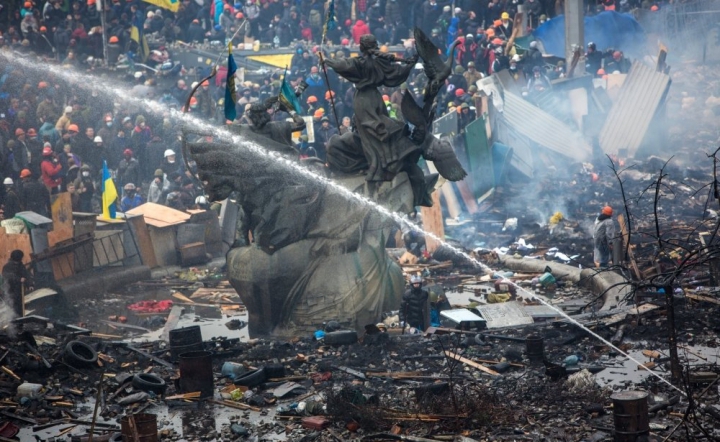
{"points": [[193, 395], [10, 372], [471, 363], [133, 428], [69, 429], [95, 411], [237, 405]]}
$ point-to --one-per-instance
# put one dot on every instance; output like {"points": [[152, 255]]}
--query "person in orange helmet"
{"points": [[603, 237]]}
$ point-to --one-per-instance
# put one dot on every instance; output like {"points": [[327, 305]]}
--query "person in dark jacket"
{"points": [[414, 304], [11, 203], [17, 280], [34, 196]]}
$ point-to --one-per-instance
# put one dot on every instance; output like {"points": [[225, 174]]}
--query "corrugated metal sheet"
{"points": [[544, 129], [629, 119]]}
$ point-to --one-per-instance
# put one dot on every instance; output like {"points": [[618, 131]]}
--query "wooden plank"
{"points": [[160, 216], [63, 266], [702, 298], [61, 208], [448, 193], [471, 363], [143, 241], [467, 196], [163, 243], [433, 222], [14, 241], [626, 240]]}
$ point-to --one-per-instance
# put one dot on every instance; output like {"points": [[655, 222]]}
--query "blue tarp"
{"points": [[607, 30]]}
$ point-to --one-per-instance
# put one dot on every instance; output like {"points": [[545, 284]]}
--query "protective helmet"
{"points": [[312, 99], [505, 16], [592, 46], [158, 173], [601, 72], [536, 69], [533, 44], [169, 152], [239, 15], [73, 128], [416, 279], [8, 181], [386, 98], [25, 173], [113, 40], [42, 85], [202, 199], [497, 41], [97, 139], [328, 94], [129, 186]]}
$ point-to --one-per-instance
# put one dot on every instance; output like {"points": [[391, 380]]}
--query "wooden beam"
{"points": [[471, 363]]}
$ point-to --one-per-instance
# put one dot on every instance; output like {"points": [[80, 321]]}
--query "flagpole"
{"points": [[322, 62]]}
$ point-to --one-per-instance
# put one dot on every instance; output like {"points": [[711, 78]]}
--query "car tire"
{"points": [[342, 337], [252, 378], [79, 355], [274, 371], [149, 382]]}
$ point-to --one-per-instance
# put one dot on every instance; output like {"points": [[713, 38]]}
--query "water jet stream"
{"points": [[89, 82]]}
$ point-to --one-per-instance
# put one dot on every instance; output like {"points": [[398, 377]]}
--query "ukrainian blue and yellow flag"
{"points": [[137, 35], [171, 5], [230, 93], [109, 194], [287, 95]]}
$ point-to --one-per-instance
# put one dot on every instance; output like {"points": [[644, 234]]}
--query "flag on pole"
{"points": [[331, 21], [230, 92], [287, 95], [137, 35], [171, 5], [109, 193]]}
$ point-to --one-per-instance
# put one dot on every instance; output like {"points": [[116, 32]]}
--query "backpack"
{"points": [[315, 18]]}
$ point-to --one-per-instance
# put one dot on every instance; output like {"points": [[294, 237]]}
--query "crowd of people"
{"points": [[55, 136]]}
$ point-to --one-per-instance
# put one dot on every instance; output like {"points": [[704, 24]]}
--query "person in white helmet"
{"points": [[11, 202], [170, 163], [414, 307]]}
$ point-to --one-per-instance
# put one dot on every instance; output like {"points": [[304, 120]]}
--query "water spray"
{"points": [[225, 135]]}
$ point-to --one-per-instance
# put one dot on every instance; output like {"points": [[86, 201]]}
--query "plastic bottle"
{"points": [[571, 360], [233, 370], [29, 390]]}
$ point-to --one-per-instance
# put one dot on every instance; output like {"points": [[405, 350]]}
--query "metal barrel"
{"points": [[146, 425], [196, 373], [630, 411], [534, 348], [185, 340]]}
